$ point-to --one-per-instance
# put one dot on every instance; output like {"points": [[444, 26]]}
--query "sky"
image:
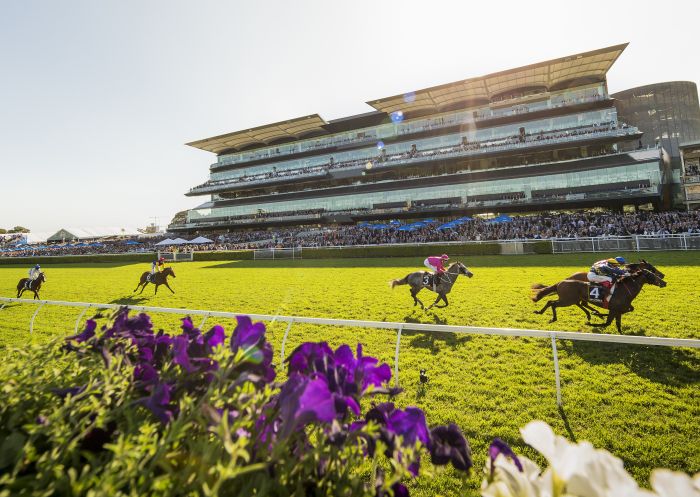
{"points": [[98, 98]]}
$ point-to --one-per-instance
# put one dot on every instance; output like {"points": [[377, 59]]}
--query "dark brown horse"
{"points": [[34, 286], [421, 279], [631, 268], [157, 279], [572, 292]]}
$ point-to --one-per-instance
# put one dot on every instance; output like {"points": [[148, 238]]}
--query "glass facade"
{"points": [[463, 117], [647, 171], [667, 114], [597, 117]]}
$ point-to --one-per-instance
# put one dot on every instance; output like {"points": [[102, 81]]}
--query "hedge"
{"points": [[78, 259], [224, 255], [543, 247]]}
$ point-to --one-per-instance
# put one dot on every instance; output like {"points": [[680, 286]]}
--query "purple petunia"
{"points": [[447, 444], [87, 334], [159, 402]]}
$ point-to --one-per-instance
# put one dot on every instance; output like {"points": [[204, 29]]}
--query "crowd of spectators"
{"points": [[528, 227]]}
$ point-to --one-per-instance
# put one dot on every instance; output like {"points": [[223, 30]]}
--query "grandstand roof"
{"points": [[90, 233], [263, 135], [552, 74], [586, 67]]}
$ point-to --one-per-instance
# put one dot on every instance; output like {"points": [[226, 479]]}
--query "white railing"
{"points": [[398, 327], [636, 243]]}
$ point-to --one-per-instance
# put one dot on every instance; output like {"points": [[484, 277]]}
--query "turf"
{"points": [[640, 403]]}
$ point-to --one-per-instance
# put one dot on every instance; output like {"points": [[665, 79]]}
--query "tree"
{"points": [[3, 231], [19, 229]]}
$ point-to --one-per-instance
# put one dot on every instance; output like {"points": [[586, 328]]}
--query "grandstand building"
{"points": [[542, 136]]}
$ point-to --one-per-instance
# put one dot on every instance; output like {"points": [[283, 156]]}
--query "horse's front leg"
{"points": [[611, 316], [436, 301], [166, 284], [157, 285], [443, 297], [36, 295]]}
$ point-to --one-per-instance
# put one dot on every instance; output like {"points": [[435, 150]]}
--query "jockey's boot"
{"points": [[436, 280]]}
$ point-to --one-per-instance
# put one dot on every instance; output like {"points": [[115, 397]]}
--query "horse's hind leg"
{"points": [[618, 322], [585, 311], [156, 293], [611, 316], [143, 287], [416, 300], [137, 287], [546, 306]]}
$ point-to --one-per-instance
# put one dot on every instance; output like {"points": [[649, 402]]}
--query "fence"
{"points": [[176, 256], [398, 327], [277, 253], [637, 243]]}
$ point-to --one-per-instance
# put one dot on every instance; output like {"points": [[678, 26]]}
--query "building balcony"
{"points": [[511, 144]]}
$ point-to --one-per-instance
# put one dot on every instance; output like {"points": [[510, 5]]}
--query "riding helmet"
{"points": [[37, 266], [444, 257], [621, 260]]}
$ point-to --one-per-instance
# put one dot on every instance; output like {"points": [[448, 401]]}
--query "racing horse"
{"points": [[631, 268], [572, 292], [157, 279], [423, 279], [34, 285]]}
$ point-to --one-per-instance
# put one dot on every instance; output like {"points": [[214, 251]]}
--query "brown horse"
{"points": [[157, 279], [572, 292], [421, 279], [34, 285], [631, 268]]}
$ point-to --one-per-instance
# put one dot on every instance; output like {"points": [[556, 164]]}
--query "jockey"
{"points": [[436, 264], [607, 271], [157, 266], [33, 274]]}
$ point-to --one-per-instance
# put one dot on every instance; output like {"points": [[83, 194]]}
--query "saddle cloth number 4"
{"points": [[594, 293]]}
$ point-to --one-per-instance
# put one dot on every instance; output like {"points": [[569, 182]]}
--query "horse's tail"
{"points": [[402, 281], [541, 291]]}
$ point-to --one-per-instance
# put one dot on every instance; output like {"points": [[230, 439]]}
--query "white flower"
{"points": [[509, 481], [668, 483], [580, 469]]}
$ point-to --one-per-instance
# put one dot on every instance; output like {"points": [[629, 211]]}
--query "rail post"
{"points": [[204, 320], [31, 323], [396, 356], [2, 306], [636, 241], [556, 369], [284, 340], [77, 321]]}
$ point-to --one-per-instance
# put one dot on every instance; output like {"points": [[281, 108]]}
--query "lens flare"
{"points": [[409, 97], [380, 145], [397, 117], [369, 165]]}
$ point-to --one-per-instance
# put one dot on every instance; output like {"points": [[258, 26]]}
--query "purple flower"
{"points": [[447, 444], [145, 373], [410, 424], [309, 357], [87, 334], [159, 403], [250, 338], [247, 334], [214, 337], [180, 354], [497, 447]]}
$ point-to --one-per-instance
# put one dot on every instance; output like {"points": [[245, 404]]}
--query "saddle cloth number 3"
{"points": [[426, 279], [594, 292]]}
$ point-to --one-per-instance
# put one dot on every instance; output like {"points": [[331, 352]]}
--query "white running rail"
{"points": [[398, 327]]}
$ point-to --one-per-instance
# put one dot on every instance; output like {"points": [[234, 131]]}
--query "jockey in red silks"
{"points": [[436, 264]]}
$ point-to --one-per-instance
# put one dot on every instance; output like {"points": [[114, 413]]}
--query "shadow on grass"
{"points": [[665, 365], [434, 341], [129, 300]]}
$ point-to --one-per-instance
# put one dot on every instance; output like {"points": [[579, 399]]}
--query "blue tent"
{"points": [[447, 226], [363, 224], [408, 227], [379, 226], [429, 221], [394, 222], [465, 219], [96, 244], [132, 242], [500, 219]]}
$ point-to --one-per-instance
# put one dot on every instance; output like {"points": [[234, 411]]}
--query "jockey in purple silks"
{"points": [[436, 264]]}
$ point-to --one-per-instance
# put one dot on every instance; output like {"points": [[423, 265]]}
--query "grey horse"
{"points": [[421, 279]]}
